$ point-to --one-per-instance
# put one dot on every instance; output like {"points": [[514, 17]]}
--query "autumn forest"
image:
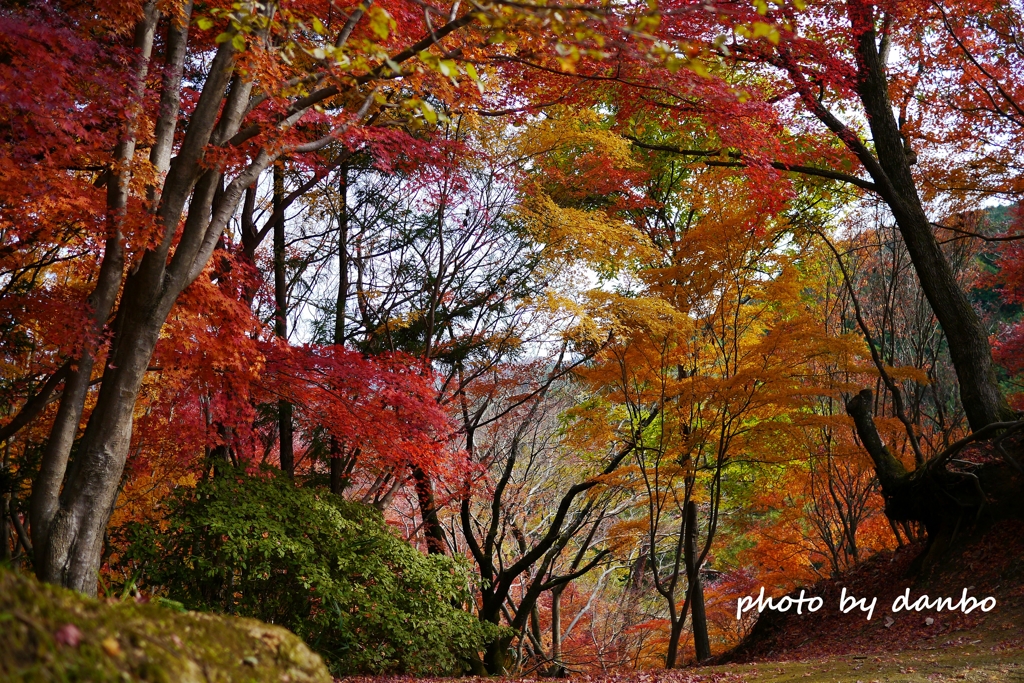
{"points": [[507, 337]]}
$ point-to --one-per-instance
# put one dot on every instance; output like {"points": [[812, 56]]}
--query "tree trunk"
{"points": [[944, 501], [338, 464], [969, 347], [556, 632], [70, 554], [47, 486], [72, 530], [342, 303], [698, 618], [497, 656], [5, 509], [433, 534], [675, 632], [284, 408], [337, 468]]}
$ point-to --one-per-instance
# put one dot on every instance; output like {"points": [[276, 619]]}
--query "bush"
{"points": [[330, 570]]}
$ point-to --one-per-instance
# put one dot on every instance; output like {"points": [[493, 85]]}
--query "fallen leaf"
{"points": [[111, 646]]}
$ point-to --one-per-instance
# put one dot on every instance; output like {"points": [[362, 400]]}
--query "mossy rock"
{"points": [[53, 634]]}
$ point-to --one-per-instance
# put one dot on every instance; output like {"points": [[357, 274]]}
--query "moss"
{"points": [[125, 641]]}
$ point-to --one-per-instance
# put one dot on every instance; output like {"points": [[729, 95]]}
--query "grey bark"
{"points": [[70, 526], [46, 488], [556, 630]]}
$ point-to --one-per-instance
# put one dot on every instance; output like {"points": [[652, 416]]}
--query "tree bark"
{"points": [[931, 494], [284, 408], [433, 533], [71, 528], [5, 509], [342, 302], [968, 340], [71, 553], [72, 524], [35, 403], [46, 488], [337, 469], [698, 617], [556, 632], [338, 463], [892, 475]]}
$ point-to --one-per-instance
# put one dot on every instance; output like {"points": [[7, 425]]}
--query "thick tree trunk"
{"points": [[496, 658], [968, 339], [72, 527], [892, 475], [947, 502], [698, 617], [675, 633], [337, 469], [47, 485], [70, 554]]}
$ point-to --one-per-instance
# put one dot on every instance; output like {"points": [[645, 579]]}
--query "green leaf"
{"points": [[447, 67], [381, 22], [428, 112], [238, 42], [204, 23]]}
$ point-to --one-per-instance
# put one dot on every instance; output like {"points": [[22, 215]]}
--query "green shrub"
{"points": [[330, 570]]}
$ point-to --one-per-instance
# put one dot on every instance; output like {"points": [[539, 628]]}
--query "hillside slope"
{"points": [[992, 565]]}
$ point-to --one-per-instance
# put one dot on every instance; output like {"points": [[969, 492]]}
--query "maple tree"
{"points": [[210, 137], [752, 66]]}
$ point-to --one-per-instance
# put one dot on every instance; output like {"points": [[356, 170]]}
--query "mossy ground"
{"points": [[125, 641]]}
